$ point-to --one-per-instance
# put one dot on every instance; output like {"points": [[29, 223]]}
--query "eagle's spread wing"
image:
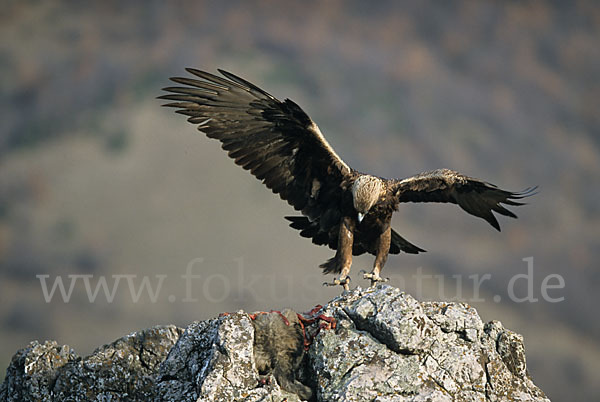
{"points": [[473, 195], [276, 141]]}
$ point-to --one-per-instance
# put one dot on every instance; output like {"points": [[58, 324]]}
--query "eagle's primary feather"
{"points": [[341, 207]]}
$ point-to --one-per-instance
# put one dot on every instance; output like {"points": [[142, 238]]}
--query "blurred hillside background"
{"points": [[97, 179]]}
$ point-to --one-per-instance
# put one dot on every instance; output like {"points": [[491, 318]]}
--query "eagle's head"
{"points": [[365, 193]]}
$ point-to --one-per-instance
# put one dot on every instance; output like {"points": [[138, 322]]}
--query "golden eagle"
{"points": [[347, 210]]}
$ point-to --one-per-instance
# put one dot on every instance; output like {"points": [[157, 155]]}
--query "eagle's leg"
{"points": [[343, 256], [383, 249]]}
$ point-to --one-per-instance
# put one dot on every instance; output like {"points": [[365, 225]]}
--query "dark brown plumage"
{"points": [[348, 211]]}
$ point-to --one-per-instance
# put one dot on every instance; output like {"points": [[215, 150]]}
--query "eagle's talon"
{"points": [[375, 278], [345, 282]]}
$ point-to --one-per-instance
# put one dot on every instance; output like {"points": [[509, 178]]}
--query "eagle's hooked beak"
{"points": [[360, 217]]}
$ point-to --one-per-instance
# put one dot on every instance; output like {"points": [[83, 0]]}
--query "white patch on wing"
{"points": [[448, 176], [204, 123], [321, 138], [408, 179], [316, 186]]}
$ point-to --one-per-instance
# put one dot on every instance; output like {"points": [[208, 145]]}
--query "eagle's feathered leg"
{"points": [[342, 261], [383, 247]]}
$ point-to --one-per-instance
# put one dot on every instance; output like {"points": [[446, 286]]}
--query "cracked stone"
{"points": [[386, 346]]}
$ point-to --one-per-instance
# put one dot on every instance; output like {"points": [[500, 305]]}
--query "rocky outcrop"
{"points": [[390, 347], [383, 346], [123, 370]]}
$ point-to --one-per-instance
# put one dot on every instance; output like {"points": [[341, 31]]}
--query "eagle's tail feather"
{"points": [[399, 243]]}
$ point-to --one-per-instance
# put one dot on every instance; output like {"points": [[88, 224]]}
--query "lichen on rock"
{"points": [[385, 346]]}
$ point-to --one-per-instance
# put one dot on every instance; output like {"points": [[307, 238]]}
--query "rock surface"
{"points": [[386, 346]]}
